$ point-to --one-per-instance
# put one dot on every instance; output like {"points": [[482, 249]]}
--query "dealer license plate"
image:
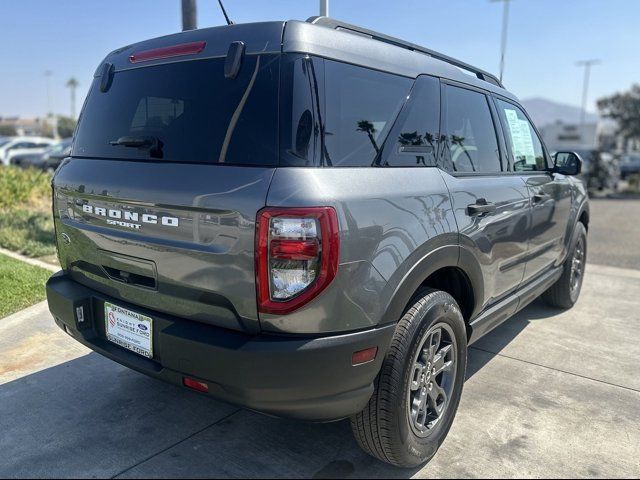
{"points": [[128, 329]]}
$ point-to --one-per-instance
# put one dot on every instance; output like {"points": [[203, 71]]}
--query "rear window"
{"points": [[194, 112]]}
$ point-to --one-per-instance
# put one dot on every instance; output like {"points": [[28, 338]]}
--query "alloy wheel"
{"points": [[577, 266], [433, 373]]}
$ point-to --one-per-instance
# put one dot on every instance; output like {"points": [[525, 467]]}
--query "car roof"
{"points": [[342, 41], [318, 36]]}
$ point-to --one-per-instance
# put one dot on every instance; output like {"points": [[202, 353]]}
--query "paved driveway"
{"points": [[614, 233], [549, 394]]}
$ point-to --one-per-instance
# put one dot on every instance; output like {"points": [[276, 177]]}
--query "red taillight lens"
{"points": [[165, 52], [294, 249], [296, 256]]}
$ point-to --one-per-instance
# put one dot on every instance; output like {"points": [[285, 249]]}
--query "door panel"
{"points": [[497, 237], [550, 211], [491, 208], [550, 193]]}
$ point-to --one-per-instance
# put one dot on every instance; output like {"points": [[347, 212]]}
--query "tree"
{"points": [[624, 108], [8, 131], [66, 126], [369, 128]]}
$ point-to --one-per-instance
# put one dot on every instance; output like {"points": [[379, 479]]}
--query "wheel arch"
{"points": [[584, 215], [450, 268]]}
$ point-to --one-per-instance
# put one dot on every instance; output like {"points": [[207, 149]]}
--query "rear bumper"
{"points": [[303, 378]]}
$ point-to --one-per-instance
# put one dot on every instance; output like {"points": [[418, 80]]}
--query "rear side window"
{"points": [[470, 141], [361, 106], [301, 110], [526, 147], [413, 142], [191, 109]]}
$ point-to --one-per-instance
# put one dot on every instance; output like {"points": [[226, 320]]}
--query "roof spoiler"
{"points": [[349, 28]]}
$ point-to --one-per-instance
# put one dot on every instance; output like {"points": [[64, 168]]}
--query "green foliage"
{"points": [[8, 131], [26, 225], [634, 183], [21, 285], [624, 108], [66, 126], [27, 232], [20, 188]]}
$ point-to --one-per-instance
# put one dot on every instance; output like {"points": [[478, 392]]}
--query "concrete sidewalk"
{"points": [[549, 394]]}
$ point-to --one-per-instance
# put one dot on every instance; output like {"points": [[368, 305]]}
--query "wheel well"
{"points": [[584, 219], [456, 283]]}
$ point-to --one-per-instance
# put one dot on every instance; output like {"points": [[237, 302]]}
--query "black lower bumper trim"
{"points": [[304, 378]]}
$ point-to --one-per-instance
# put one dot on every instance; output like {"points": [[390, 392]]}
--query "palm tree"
{"points": [[413, 139], [368, 127], [459, 141], [72, 83]]}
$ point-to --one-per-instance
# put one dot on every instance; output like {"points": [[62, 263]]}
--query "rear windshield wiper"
{"points": [[154, 144]]}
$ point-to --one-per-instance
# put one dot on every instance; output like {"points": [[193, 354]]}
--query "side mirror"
{"points": [[567, 163]]}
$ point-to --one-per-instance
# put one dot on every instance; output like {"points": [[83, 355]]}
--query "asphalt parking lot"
{"points": [[548, 394]]}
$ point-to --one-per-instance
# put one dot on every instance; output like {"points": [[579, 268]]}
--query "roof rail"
{"points": [[347, 27]]}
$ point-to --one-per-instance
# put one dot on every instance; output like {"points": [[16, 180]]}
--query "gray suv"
{"points": [[310, 220]]}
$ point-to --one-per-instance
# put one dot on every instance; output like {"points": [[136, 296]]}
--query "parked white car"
{"points": [[22, 145]]}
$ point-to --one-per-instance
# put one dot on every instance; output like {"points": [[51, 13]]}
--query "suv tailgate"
{"points": [[198, 265]]}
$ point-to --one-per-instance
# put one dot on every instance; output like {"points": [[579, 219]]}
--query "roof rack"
{"points": [[347, 27]]}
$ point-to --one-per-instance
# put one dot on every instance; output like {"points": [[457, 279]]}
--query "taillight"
{"points": [[296, 256]]}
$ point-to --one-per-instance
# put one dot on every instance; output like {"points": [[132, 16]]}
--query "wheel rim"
{"points": [[577, 266], [433, 373]]}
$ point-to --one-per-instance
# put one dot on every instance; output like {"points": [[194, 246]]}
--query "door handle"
{"points": [[480, 208], [541, 197]]}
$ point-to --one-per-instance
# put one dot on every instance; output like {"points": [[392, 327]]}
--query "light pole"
{"points": [[503, 41], [324, 8], [189, 14], [54, 120], [72, 83], [47, 75], [585, 84]]}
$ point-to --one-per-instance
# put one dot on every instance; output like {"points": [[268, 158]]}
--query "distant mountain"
{"points": [[544, 112]]}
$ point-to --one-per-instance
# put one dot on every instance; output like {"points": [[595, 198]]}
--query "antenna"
{"points": [[224, 12]]}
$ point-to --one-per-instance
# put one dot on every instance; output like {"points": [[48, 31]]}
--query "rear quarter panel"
{"points": [[389, 219]]}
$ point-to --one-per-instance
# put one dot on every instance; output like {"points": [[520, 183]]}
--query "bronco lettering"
{"points": [[133, 216]]}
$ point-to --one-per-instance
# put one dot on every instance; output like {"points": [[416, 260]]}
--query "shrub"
{"points": [[28, 232], [21, 188]]}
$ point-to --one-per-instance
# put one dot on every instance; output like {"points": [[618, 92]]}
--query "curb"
{"points": [[20, 315], [31, 261]]}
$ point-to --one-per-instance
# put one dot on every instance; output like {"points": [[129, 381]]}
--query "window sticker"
{"points": [[521, 139]]}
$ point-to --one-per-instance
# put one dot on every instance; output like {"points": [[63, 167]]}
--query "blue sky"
{"points": [[546, 38]]}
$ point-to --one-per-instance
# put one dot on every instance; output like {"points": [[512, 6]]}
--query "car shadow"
{"points": [[496, 340], [90, 417]]}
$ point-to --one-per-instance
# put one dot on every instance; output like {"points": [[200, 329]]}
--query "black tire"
{"points": [[565, 292], [384, 428]]}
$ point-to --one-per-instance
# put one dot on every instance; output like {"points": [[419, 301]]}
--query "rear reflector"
{"points": [[364, 356], [166, 52], [195, 385]]}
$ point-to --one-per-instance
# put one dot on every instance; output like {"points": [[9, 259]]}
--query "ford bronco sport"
{"points": [[310, 220]]}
